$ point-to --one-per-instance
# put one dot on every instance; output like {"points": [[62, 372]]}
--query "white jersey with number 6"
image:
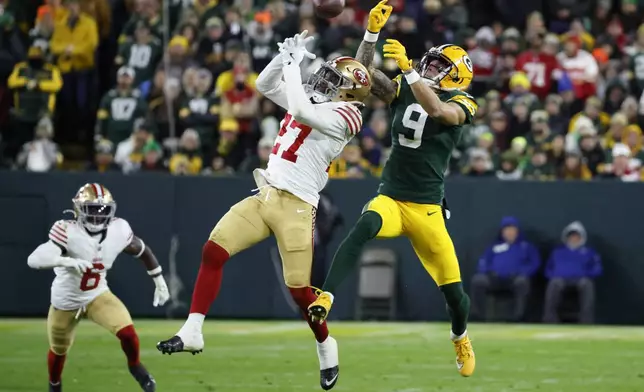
{"points": [[71, 291]]}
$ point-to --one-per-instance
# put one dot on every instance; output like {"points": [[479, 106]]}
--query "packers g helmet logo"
{"points": [[468, 63]]}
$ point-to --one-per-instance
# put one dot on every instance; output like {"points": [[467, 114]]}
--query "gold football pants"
{"points": [[424, 225], [105, 310], [288, 217]]}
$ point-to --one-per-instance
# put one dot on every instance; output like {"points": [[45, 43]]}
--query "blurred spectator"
{"points": [[47, 17], [557, 121], [483, 57], [129, 152], [240, 102], [11, 45], [616, 127], [260, 160], [509, 169], [557, 152], [350, 164], [574, 169], [479, 165], [34, 84], [141, 54], [179, 58], [233, 20], [622, 167], [539, 168], [636, 62], [540, 135], [580, 66], [508, 264], [632, 138], [100, 11], [152, 158], [119, 108], [520, 121], [147, 11], [190, 32], [211, 45], [572, 265], [499, 128], [164, 103], [104, 157], [53, 10], [616, 93], [40, 154], [188, 159], [218, 168], [541, 68], [591, 151], [201, 111], [592, 110], [199, 11], [74, 43], [520, 91], [261, 40]]}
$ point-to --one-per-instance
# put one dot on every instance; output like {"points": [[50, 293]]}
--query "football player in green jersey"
{"points": [[428, 109]]}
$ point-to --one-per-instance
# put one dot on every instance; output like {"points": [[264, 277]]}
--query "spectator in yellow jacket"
{"points": [[187, 160], [74, 44]]}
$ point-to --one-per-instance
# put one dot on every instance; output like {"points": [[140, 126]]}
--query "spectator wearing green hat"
{"points": [[152, 158]]}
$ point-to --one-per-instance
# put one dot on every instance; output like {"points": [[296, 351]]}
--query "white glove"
{"points": [[78, 265], [161, 293], [294, 49]]}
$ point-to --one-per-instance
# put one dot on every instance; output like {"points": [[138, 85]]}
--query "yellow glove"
{"points": [[378, 16], [395, 50]]}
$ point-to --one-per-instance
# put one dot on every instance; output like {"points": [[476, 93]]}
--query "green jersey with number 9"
{"points": [[421, 147]]}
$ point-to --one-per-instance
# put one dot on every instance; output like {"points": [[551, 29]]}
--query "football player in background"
{"points": [[429, 109], [322, 116], [81, 252]]}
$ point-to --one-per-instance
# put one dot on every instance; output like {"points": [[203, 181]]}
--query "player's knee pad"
{"points": [[59, 348], [213, 254], [297, 279]]}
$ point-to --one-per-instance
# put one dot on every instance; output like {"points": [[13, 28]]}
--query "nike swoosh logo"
{"points": [[331, 381], [300, 211], [431, 213]]}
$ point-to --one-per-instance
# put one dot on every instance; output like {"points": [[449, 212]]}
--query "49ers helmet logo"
{"points": [[361, 76]]}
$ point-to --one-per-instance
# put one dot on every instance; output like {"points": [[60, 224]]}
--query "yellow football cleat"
{"points": [[465, 360], [320, 308]]}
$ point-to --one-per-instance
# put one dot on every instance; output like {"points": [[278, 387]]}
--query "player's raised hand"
{"points": [[301, 40], [294, 49], [395, 50], [378, 16], [78, 265]]}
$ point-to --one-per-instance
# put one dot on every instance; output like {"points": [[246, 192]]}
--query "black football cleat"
{"points": [[175, 345], [144, 378], [328, 377], [58, 387]]}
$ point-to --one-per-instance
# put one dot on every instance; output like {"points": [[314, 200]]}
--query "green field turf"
{"points": [[386, 357]]}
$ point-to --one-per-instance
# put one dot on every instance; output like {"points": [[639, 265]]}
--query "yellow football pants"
{"points": [[424, 225]]}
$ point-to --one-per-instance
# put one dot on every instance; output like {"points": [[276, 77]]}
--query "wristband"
{"points": [[155, 272], [412, 77], [370, 37]]}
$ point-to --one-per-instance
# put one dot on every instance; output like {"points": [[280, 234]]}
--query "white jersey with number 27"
{"points": [[71, 291], [302, 153]]}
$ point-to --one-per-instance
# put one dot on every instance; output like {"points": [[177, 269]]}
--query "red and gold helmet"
{"points": [[341, 79], [94, 206]]}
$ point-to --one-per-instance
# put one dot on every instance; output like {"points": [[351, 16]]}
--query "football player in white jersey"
{"points": [[322, 116], [81, 252]]}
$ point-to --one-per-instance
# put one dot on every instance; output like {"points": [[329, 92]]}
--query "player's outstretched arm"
{"points": [[138, 249], [51, 253], [381, 86], [269, 82]]}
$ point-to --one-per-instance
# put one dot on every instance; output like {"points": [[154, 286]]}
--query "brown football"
{"points": [[328, 9]]}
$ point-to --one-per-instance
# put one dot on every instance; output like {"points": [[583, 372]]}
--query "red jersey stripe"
{"points": [[58, 231], [346, 119], [355, 115], [354, 125], [55, 238]]}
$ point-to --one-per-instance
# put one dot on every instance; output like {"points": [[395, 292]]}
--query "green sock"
{"points": [[458, 306], [347, 255]]}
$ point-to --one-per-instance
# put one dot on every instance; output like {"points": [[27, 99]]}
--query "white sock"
{"points": [[193, 323], [453, 336], [327, 353]]}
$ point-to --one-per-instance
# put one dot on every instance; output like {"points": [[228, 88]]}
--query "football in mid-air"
{"points": [[328, 9]]}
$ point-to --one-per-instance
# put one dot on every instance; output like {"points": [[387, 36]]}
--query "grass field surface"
{"points": [[374, 357]]}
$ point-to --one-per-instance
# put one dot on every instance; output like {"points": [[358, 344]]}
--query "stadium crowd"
{"points": [[129, 85]]}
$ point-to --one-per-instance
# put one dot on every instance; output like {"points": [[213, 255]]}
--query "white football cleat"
{"points": [[329, 363]]}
